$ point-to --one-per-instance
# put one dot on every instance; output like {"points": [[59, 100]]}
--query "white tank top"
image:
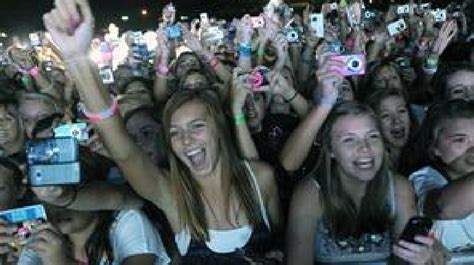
{"points": [[225, 241]]}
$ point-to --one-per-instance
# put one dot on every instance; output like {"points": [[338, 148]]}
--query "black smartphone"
{"points": [[416, 226]]}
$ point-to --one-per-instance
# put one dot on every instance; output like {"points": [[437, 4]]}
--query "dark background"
{"points": [[23, 16]]}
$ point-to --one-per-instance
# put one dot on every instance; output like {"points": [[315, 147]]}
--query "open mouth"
{"points": [[398, 133], [364, 163], [197, 157]]}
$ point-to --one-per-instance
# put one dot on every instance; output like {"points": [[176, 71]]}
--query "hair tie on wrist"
{"points": [[102, 115], [162, 69]]}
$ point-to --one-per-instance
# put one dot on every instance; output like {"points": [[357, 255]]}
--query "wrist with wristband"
{"points": [[431, 64], [245, 49], [239, 119], [213, 62], [291, 98], [162, 69], [101, 115], [33, 71], [328, 101]]}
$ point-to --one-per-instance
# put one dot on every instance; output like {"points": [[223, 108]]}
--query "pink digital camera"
{"points": [[354, 64]]}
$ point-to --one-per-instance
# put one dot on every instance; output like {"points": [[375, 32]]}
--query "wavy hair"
{"points": [[237, 179]]}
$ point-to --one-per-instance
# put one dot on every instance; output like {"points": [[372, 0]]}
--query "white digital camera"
{"points": [[317, 24], [403, 9], [439, 15], [396, 27]]}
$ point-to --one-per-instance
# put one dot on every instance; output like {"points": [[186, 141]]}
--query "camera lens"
{"points": [[354, 64]]}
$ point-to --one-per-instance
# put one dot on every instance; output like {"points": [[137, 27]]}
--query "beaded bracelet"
{"points": [[239, 119], [102, 115]]}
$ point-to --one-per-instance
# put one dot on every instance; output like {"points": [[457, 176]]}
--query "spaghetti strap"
{"points": [[263, 211], [315, 182], [393, 200]]}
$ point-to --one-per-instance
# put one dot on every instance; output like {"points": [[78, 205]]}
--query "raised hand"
{"points": [[71, 25], [192, 41], [280, 86], [329, 81], [239, 91], [448, 31], [169, 14], [245, 30]]}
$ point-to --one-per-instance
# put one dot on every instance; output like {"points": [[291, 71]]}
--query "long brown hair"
{"points": [[373, 215], [236, 177]]}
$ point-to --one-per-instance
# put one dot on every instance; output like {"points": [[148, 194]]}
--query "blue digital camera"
{"points": [[53, 161], [173, 32]]}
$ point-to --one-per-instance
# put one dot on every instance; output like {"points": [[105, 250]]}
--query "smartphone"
{"points": [[416, 226], [354, 64], [26, 219]]}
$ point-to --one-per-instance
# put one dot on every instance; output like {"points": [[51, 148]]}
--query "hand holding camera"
{"points": [[50, 245], [192, 42], [329, 81], [240, 91]]}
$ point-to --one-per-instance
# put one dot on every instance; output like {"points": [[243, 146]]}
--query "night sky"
{"points": [[22, 16]]}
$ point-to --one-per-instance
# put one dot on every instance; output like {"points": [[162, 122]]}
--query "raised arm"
{"points": [[96, 195], [71, 25], [162, 57], [246, 145], [299, 143]]}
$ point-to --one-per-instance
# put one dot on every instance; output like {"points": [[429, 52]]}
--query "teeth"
{"points": [[193, 152], [364, 163]]}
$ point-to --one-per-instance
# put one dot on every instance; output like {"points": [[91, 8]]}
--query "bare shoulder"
{"points": [[306, 198], [402, 185], [264, 173]]}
